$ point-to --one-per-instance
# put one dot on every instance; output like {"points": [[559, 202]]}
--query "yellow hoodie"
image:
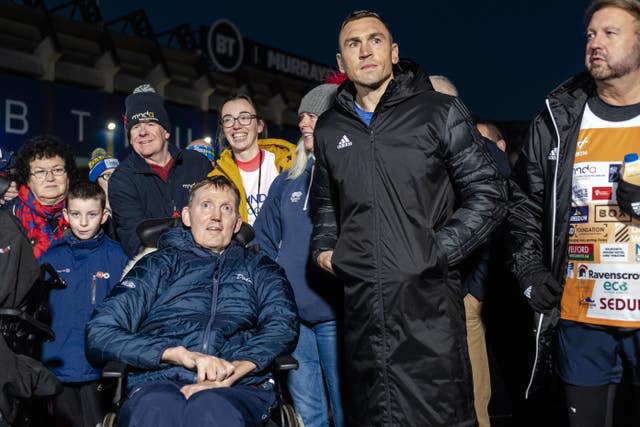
{"points": [[283, 150]]}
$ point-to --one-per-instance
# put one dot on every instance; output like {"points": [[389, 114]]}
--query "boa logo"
{"points": [[102, 275]]}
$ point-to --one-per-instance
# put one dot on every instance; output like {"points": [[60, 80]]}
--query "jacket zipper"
{"points": [[551, 243], [93, 289], [378, 284], [214, 304]]}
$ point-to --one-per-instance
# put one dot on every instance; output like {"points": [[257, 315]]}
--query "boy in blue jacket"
{"points": [[91, 264]]}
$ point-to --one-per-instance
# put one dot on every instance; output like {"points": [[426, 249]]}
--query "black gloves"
{"points": [[543, 292], [628, 197]]}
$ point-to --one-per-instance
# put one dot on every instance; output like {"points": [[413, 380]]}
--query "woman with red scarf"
{"points": [[44, 167]]}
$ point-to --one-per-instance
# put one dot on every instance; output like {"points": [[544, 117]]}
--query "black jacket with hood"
{"points": [[539, 226], [401, 202]]}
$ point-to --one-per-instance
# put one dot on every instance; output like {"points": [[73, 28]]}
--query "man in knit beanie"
{"points": [[153, 181]]}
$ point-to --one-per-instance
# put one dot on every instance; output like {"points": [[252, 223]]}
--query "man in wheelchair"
{"points": [[200, 321]]}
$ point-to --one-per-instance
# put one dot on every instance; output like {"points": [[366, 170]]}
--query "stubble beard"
{"points": [[610, 71]]}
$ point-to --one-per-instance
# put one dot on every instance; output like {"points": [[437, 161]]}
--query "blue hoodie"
{"points": [[90, 268], [283, 231]]}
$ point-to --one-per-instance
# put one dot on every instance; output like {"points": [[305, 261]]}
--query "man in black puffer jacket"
{"points": [[201, 319], [403, 191]]}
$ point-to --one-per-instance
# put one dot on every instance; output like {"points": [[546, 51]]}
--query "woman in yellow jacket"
{"points": [[251, 163]]}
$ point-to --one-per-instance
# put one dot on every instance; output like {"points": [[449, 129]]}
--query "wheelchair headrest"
{"points": [[149, 230], [245, 235], [4, 185]]}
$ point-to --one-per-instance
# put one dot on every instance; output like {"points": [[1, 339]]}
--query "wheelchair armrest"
{"points": [[285, 363], [25, 319], [114, 369]]}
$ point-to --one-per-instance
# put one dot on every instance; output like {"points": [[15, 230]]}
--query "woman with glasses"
{"points": [[251, 163], [44, 167]]}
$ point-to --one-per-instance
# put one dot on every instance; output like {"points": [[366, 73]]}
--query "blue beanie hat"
{"points": [[100, 162]]}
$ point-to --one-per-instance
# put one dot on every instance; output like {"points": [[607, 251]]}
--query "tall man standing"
{"points": [[576, 255], [403, 191]]}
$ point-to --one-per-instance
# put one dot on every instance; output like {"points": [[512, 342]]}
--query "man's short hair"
{"points": [[631, 6], [86, 190], [219, 182], [493, 131], [361, 14]]}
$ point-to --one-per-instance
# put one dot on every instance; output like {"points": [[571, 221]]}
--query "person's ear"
{"points": [[340, 63], [105, 216], [186, 217], [65, 214], [395, 53], [238, 225]]}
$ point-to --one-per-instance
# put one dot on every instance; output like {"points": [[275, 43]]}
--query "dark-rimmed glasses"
{"points": [[244, 119]]}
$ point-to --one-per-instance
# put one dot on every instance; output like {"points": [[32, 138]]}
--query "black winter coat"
{"points": [[401, 202], [539, 225]]}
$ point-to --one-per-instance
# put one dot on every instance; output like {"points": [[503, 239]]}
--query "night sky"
{"points": [[504, 55]]}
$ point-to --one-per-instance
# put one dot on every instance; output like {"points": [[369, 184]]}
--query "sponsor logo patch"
{"points": [[601, 193], [610, 213], [581, 251], [614, 252], [579, 214], [614, 172]]}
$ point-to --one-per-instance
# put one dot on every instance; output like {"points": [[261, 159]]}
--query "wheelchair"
{"points": [[149, 232], [285, 415], [24, 326]]}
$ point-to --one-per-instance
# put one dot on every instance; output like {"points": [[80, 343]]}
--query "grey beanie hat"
{"points": [[319, 99]]}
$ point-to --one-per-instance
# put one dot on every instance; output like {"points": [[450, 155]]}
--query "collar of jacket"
{"points": [[76, 244], [182, 239], [141, 166], [409, 79], [567, 101], [226, 165]]}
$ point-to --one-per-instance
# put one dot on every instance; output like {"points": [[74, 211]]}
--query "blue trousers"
{"points": [[158, 404], [317, 356]]}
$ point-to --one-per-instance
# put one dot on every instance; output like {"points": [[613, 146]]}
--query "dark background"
{"points": [[503, 55]]}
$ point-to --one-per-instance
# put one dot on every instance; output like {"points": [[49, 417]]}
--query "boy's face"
{"points": [[85, 216]]}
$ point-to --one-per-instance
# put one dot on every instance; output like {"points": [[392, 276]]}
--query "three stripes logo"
{"points": [[344, 142], [622, 233]]}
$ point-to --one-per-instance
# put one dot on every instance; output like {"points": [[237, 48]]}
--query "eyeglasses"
{"points": [[41, 174], [243, 118], [106, 176]]}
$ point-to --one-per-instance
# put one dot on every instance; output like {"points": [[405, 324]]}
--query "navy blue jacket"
{"points": [[236, 306], [283, 231], [91, 268], [137, 193]]}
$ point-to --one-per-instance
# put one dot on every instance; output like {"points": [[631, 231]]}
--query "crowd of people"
{"points": [[377, 239]]}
